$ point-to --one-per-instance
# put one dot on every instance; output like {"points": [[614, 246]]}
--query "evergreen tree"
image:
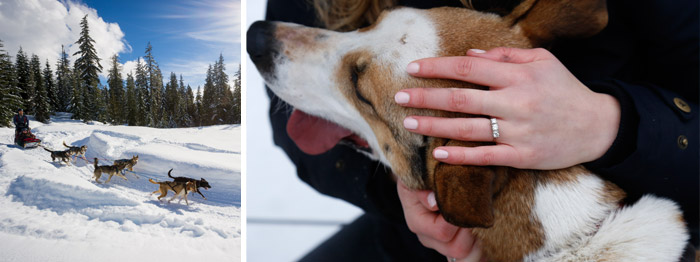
{"points": [[172, 101], [132, 111], [198, 108], [64, 87], [185, 117], [101, 99], [77, 106], [155, 88], [50, 87], [10, 99], [25, 81], [142, 95], [88, 66], [237, 102], [115, 108], [42, 106], [208, 100], [223, 93]]}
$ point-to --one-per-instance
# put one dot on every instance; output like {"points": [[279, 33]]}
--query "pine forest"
{"points": [[140, 98]]}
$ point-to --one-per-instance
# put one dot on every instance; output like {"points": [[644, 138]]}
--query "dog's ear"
{"points": [[465, 194], [546, 20]]}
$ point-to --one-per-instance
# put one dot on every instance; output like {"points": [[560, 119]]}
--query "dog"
{"points": [[76, 150], [197, 183], [349, 79], [128, 163], [60, 155], [181, 189], [110, 170]]}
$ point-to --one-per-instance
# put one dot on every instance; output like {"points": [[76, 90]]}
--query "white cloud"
{"points": [[42, 26], [217, 20]]}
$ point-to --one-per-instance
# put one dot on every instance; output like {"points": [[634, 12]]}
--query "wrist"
{"points": [[607, 122]]}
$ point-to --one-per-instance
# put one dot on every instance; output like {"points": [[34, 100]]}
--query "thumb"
{"points": [[512, 55]]}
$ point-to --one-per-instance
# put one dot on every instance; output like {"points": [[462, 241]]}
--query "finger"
{"points": [[465, 129], [458, 247], [495, 155], [462, 100], [512, 55], [422, 221], [475, 70]]}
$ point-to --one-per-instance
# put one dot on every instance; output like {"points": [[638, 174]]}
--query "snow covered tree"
{"points": [[42, 106], [88, 67], [50, 87], [155, 89], [10, 99], [143, 96], [132, 111], [25, 80], [115, 106], [64, 87]]}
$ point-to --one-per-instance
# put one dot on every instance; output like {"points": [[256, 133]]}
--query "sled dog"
{"points": [[197, 183], [180, 188], [110, 170]]}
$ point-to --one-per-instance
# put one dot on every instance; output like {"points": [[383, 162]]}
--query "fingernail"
{"points": [[410, 123], [413, 68], [440, 154], [431, 199], [478, 51], [402, 97]]}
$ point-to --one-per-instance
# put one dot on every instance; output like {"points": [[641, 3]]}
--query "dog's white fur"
{"points": [[577, 224], [317, 64]]}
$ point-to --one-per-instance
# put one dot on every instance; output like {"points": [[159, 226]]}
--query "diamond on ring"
{"points": [[453, 259], [494, 129]]}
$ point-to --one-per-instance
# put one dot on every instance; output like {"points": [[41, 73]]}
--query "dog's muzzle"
{"points": [[262, 45]]}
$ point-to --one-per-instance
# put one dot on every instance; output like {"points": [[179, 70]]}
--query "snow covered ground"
{"points": [[53, 212]]}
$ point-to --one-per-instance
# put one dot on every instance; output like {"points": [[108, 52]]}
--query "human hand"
{"points": [[547, 118], [420, 210]]}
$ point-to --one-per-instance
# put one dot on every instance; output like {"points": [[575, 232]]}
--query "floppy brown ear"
{"points": [[546, 20], [465, 194]]}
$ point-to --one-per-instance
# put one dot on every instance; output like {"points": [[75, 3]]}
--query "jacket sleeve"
{"points": [[652, 69]]}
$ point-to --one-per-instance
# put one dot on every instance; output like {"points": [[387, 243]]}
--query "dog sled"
{"points": [[26, 139]]}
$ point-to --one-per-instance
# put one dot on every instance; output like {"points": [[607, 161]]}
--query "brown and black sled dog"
{"points": [[350, 80]]}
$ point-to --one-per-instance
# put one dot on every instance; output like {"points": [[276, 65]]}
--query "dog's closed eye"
{"points": [[355, 73]]}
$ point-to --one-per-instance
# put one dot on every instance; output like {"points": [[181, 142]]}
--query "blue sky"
{"points": [[186, 35]]}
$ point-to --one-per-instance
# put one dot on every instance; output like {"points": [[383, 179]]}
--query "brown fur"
{"points": [[128, 163], [60, 155], [110, 170], [497, 201], [180, 188], [76, 150]]}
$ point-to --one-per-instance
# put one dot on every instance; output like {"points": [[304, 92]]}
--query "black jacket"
{"points": [[20, 122], [647, 57]]}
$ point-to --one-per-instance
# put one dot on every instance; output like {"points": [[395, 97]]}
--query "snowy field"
{"points": [[53, 212]]}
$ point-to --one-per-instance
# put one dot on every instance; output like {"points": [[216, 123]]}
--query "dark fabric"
{"points": [[20, 122], [646, 57], [370, 238]]}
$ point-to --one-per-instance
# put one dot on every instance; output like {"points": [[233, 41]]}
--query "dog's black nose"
{"points": [[262, 45]]}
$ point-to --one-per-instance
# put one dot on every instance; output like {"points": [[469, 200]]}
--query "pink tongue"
{"points": [[314, 135]]}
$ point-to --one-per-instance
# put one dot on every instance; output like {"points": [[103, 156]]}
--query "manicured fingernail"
{"points": [[440, 154], [402, 97], [431, 199], [413, 68], [478, 51], [410, 123]]}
